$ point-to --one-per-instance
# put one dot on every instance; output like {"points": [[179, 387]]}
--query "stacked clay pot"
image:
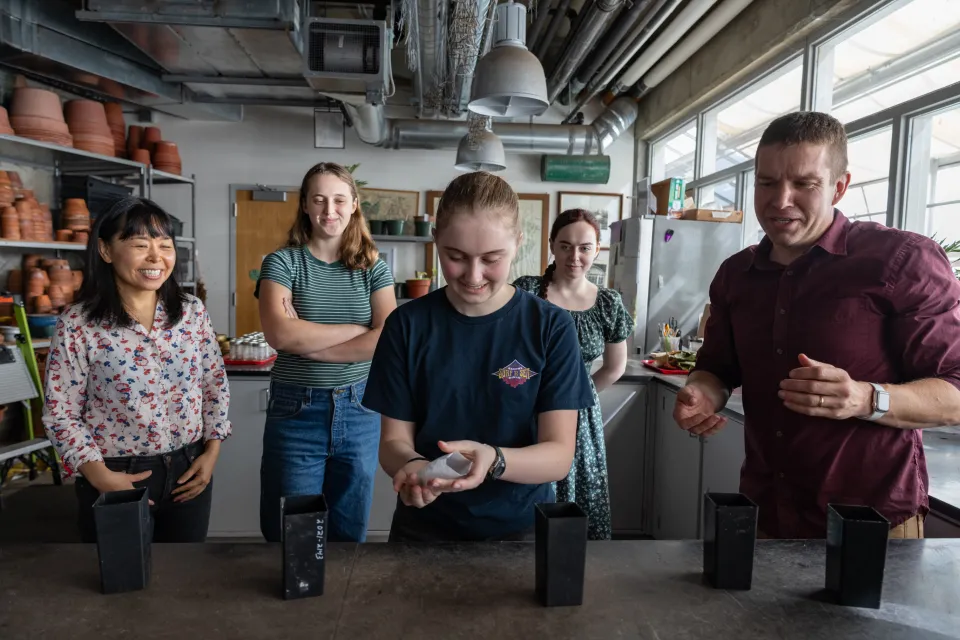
{"points": [[37, 114], [7, 196], [16, 183], [88, 125], [151, 136], [5, 127], [75, 218], [50, 285], [165, 157], [118, 128], [10, 224], [134, 138]]}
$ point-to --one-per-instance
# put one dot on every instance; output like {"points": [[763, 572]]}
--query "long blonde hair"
{"points": [[479, 191], [357, 249]]}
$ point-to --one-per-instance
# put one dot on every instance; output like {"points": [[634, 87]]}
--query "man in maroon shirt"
{"points": [[844, 336]]}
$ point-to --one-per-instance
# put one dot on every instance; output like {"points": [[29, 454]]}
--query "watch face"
{"points": [[883, 402]]}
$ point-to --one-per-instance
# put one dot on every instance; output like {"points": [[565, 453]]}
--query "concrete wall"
{"points": [[274, 146], [764, 33]]}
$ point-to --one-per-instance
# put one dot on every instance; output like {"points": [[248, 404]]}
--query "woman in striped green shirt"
{"points": [[323, 301]]}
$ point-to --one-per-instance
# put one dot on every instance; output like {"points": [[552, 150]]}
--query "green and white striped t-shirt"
{"points": [[327, 294]]}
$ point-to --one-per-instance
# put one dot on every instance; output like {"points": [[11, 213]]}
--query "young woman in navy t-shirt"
{"points": [[480, 368]]}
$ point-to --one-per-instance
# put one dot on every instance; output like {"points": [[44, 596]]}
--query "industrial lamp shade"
{"points": [[509, 80], [485, 153]]}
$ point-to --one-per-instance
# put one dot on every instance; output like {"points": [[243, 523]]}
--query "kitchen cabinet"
{"points": [[676, 485], [235, 511], [624, 409]]}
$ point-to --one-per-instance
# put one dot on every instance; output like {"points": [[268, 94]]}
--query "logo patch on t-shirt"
{"points": [[515, 374]]}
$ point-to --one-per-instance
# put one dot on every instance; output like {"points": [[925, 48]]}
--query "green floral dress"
{"points": [[607, 322]]}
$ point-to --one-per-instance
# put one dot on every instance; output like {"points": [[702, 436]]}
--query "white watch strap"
{"points": [[877, 414]]}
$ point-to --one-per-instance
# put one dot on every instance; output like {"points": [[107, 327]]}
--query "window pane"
{"points": [[721, 195], [740, 124], [901, 56], [933, 180], [869, 162], [673, 156], [752, 233]]}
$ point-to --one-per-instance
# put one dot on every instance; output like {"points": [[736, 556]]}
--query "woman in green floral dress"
{"points": [[603, 326]]}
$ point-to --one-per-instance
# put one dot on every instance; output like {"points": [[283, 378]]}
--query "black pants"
{"points": [[408, 527], [171, 521]]}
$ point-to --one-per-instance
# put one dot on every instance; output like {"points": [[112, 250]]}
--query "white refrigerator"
{"points": [[662, 267]]}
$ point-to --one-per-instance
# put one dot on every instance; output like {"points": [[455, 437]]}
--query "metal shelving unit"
{"points": [[58, 246], [62, 161], [387, 238]]}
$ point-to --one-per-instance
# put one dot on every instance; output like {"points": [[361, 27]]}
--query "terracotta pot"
{"points": [[31, 261], [140, 155], [151, 135], [40, 102], [15, 281], [42, 304], [5, 127], [15, 179], [77, 279], [10, 230], [81, 237], [64, 235], [417, 288]]}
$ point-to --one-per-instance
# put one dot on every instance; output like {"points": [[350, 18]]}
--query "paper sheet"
{"points": [[448, 467]]}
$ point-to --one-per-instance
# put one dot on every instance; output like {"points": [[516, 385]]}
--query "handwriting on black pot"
{"points": [[319, 554]]}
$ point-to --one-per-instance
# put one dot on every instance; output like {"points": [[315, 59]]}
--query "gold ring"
{"points": [[821, 402]]}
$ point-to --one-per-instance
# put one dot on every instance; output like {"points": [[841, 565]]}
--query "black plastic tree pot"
{"points": [[561, 553], [124, 534], [304, 545], [729, 539], [856, 554]]}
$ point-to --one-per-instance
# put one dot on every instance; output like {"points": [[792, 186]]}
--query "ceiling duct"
{"points": [[44, 41], [375, 129], [348, 56], [580, 42]]}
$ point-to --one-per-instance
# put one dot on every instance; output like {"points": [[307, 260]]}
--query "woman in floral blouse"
{"points": [[136, 392]]}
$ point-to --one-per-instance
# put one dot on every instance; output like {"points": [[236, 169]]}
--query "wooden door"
{"points": [[262, 228]]}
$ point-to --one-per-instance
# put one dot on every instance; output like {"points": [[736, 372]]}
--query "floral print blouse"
{"points": [[126, 391]]}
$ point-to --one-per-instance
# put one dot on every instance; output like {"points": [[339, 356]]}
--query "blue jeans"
{"points": [[319, 441]]}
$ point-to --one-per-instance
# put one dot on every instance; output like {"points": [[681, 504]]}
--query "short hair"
{"points": [[479, 191], [811, 127]]}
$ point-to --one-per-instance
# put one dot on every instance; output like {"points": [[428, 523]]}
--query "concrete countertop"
{"points": [[633, 589]]}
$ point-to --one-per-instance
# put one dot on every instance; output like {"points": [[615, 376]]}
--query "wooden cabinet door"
{"points": [[261, 229]]}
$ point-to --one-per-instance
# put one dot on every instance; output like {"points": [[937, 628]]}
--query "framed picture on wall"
{"points": [[607, 207], [391, 204], [531, 258]]}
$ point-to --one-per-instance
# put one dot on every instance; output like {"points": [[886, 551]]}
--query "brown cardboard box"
{"points": [[713, 215], [669, 194]]}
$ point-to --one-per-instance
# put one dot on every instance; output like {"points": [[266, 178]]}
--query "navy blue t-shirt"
{"points": [[483, 379]]}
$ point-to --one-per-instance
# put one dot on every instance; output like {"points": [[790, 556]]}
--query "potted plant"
{"points": [[419, 286]]}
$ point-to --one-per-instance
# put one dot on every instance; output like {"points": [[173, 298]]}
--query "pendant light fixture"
{"points": [[509, 80], [481, 149]]}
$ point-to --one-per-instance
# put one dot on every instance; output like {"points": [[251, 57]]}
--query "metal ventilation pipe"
{"points": [[536, 29], [519, 137], [552, 30], [611, 39], [711, 26], [580, 42], [628, 48], [428, 23], [662, 45]]}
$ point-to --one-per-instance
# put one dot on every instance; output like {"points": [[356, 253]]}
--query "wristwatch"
{"points": [[499, 465], [881, 403]]}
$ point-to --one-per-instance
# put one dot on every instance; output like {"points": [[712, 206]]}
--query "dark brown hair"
{"points": [[475, 192], [357, 249], [811, 127], [566, 218]]}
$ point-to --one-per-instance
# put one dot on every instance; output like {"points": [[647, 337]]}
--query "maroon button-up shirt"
{"points": [[881, 304]]}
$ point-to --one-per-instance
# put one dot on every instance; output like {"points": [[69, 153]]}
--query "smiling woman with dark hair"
{"points": [[136, 392]]}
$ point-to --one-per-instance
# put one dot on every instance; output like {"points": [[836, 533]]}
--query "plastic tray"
{"points": [[651, 364]]}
